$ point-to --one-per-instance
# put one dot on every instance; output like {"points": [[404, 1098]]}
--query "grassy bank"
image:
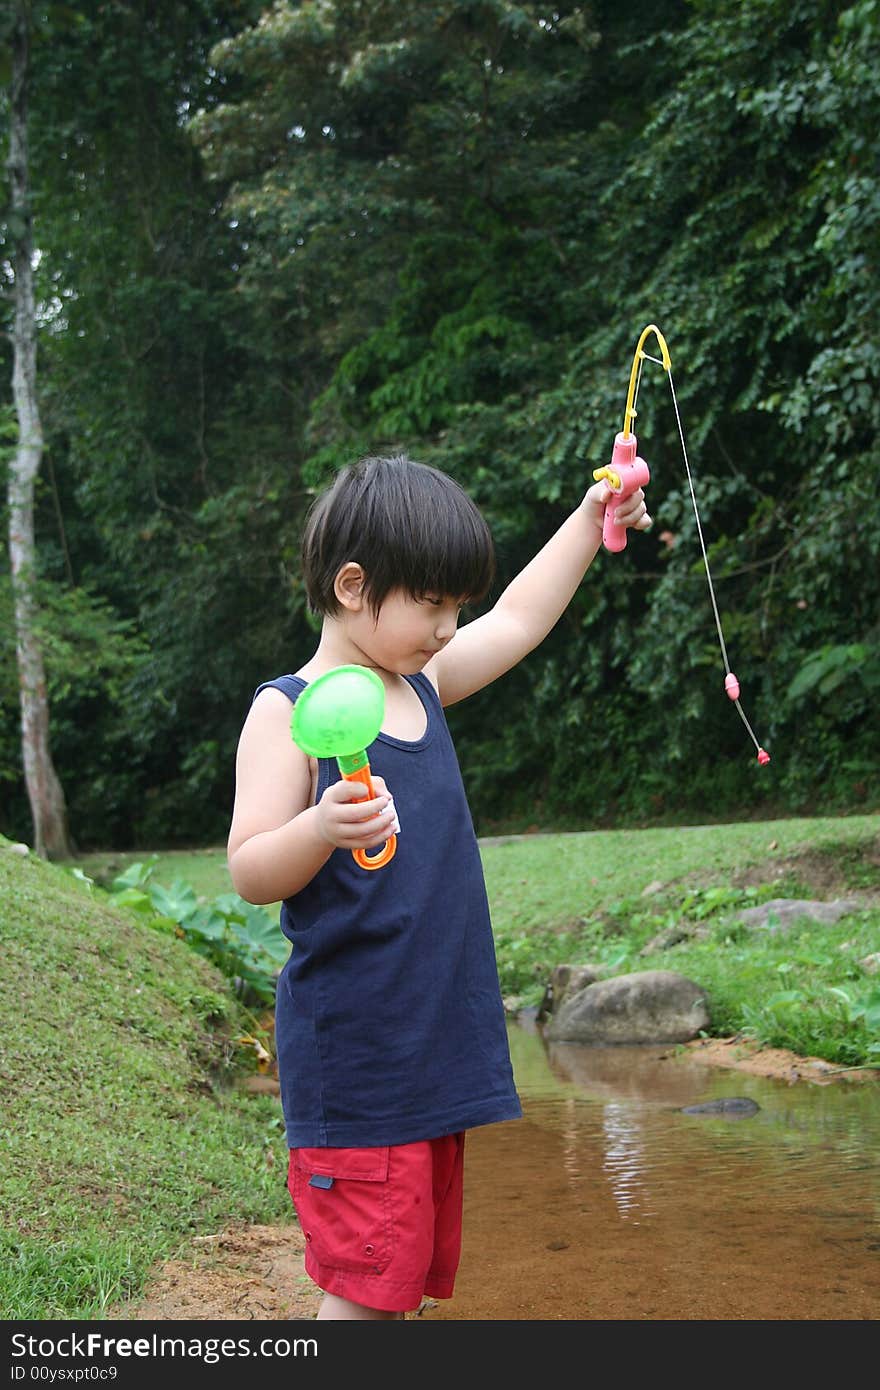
{"points": [[122, 1135], [604, 896], [670, 900]]}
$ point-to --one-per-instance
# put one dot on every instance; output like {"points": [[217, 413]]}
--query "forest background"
{"points": [[271, 239]]}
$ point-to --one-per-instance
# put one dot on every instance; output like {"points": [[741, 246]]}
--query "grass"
{"points": [[550, 878], [204, 869], [536, 879], [577, 898], [123, 1136], [804, 989], [581, 899]]}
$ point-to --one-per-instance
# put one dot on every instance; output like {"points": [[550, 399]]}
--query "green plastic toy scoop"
{"points": [[340, 713]]}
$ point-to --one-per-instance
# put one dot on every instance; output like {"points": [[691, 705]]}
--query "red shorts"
{"points": [[382, 1225]]}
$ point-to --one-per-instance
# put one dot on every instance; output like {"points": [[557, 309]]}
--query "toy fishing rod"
{"points": [[339, 715], [627, 472]]}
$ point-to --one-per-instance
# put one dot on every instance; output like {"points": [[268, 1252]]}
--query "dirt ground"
{"points": [[255, 1273], [247, 1273]]}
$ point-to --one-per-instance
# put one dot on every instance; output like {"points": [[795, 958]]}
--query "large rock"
{"points": [[647, 1006]]}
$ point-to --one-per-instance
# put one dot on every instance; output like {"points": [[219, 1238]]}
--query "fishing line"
{"points": [[625, 447]]}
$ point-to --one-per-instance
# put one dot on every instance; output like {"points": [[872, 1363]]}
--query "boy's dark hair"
{"points": [[408, 525]]}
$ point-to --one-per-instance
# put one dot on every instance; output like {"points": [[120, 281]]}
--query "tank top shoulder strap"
{"points": [[428, 690], [291, 686]]}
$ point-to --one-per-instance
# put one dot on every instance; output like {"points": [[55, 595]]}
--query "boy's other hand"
{"points": [[350, 819]]}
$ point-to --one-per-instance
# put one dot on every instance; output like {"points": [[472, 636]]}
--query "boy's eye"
{"points": [[438, 602]]}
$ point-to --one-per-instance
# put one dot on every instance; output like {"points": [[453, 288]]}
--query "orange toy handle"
{"points": [[386, 853]]}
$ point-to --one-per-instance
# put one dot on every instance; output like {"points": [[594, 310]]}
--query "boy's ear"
{"points": [[348, 586]]}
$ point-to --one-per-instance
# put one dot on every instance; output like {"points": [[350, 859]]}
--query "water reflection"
{"points": [[606, 1201], [624, 1162]]}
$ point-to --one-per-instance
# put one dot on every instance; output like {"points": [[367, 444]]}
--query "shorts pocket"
{"points": [[346, 1222]]}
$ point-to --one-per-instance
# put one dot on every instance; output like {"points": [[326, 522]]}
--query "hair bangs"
{"points": [[408, 525], [451, 556]]}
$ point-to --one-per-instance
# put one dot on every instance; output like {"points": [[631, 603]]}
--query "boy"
{"points": [[390, 1030]]}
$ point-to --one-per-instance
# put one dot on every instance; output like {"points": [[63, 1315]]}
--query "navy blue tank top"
{"points": [[389, 1024]]}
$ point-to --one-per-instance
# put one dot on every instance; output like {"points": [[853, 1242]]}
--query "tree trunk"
{"points": [[51, 838]]}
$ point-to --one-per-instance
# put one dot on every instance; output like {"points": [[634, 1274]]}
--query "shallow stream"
{"points": [[607, 1202]]}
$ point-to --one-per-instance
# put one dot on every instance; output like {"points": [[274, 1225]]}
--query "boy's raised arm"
{"points": [[533, 602]]}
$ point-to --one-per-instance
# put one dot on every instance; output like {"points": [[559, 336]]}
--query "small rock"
{"points": [[260, 1085], [737, 1107], [871, 964], [669, 936], [565, 981], [18, 849], [819, 1066], [787, 911], [655, 886]]}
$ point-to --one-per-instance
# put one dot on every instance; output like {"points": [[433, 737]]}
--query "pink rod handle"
{"points": [[633, 473], [613, 536]]}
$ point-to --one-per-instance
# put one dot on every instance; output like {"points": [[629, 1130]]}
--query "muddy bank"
{"points": [[775, 1062]]}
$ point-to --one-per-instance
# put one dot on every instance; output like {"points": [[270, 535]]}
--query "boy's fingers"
{"points": [[381, 790], [347, 791], [365, 810], [356, 808], [359, 793], [371, 831], [635, 516]]}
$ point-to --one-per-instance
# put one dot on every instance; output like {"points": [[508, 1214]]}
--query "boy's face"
{"points": [[406, 632]]}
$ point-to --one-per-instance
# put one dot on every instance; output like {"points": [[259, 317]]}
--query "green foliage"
{"points": [[523, 267], [273, 238], [153, 381], [242, 940], [94, 660], [825, 670]]}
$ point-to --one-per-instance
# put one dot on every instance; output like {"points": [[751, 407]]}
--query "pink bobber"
{"points": [[763, 757], [731, 685]]}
